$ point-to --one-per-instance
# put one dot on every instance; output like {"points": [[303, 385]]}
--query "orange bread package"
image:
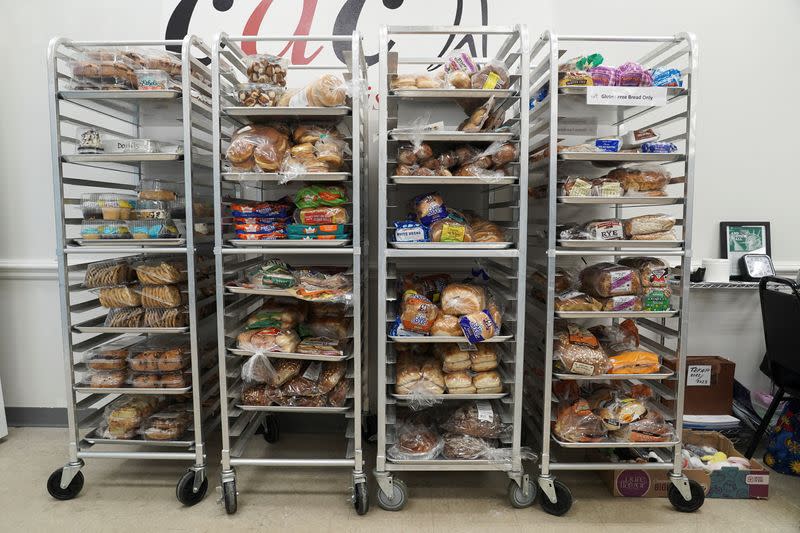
{"points": [[634, 362]]}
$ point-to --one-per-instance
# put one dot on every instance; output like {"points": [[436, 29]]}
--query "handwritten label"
{"points": [[641, 96], [698, 376]]}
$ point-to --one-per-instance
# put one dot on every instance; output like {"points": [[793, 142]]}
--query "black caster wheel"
{"points": [[518, 498], [361, 498], [229, 496], [72, 490], [563, 500], [679, 503], [398, 498], [271, 430], [185, 489]]}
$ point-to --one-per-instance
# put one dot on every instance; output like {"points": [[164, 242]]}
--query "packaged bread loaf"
{"points": [[577, 423], [642, 179], [418, 375], [124, 317], [653, 271], [165, 318], [258, 146], [160, 272], [485, 231], [603, 280], [161, 296], [487, 382], [579, 350], [648, 224], [478, 327], [576, 301], [418, 313], [477, 419], [446, 325], [268, 340], [326, 91], [668, 235], [321, 215], [415, 441], [454, 359], [462, 299], [493, 75], [459, 382], [628, 302], [429, 208], [451, 228], [483, 358]]}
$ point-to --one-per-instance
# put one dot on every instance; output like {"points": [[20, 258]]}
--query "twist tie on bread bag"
{"points": [[258, 369], [419, 397]]}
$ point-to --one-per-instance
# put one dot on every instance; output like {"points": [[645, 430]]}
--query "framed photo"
{"points": [[739, 238]]}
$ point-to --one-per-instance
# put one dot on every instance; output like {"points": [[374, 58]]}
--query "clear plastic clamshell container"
{"points": [[159, 355], [104, 229], [168, 424], [156, 189], [160, 271], [153, 229]]}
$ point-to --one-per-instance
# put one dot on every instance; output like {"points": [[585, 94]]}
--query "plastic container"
{"points": [[150, 58], [89, 141], [267, 68], [105, 68], [126, 414], [156, 189], [124, 317], [169, 424], [104, 229], [152, 80], [159, 272], [165, 380], [151, 210], [105, 379], [117, 350], [90, 206], [107, 274], [134, 146], [116, 206], [159, 355], [258, 94], [153, 229], [165, 318]]}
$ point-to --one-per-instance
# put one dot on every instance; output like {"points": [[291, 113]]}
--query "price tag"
{"points": [[485, 412], [312, 372], [698, 376], [641, 96]]}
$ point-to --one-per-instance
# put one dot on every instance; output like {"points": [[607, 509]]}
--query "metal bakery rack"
{"points": [[565, 114], [180, 117], [501, 200], [234, 257]]}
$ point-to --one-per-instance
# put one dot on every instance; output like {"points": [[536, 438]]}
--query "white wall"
{"points": [[740, 174]]}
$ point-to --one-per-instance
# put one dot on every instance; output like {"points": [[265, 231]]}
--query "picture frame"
{"points": [[739, 238]]}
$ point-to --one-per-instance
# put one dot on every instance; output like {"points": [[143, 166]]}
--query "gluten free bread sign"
{"points": [[642, 96]]}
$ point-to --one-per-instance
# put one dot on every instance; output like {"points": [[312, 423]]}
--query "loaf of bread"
{"points": [[648, 224], [576, 301], [652, 270], [268, 340], [641, 179], [446, 325], [603, 280], [417, 313], [454, 359], [477, 419], [488, 382], [483, 358], [457, 380], [668, 235], [462, 299]]}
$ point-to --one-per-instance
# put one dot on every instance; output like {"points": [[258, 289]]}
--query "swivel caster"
{"points": [[563, 501], [72, 490], [395, 501], [229, 496], [683, 505], [361, 498], [186, 492], [518, 498]]}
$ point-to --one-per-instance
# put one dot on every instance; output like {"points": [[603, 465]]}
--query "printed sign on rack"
{"points": [[698, 376], [643, 96], [584, 126]]}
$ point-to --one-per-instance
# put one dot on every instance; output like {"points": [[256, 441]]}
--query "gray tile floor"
{"points": [[140, 497]]}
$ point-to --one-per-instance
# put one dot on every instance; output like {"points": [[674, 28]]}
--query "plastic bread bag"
{"points": [[322, 277], [335, 326], [451, 228], [410, 231], [331, 151], [618, 411], [607, 187], [414, 154], [162, 296], [269, 339], [651, 428], [477, 119], [462, 299], [627, 302], [604, 75], [648, 224], [177, 317], [572, 300], [632, 74], [666, 77], [658, 148], [415, 441], [643, 180], [267, 68], [492, 75], [322, 215], [576, 186], [326, 91], [320, 196], [478, 327], [310, 293], [258, 148], [258, 369], [604, 280], [467, 447], [284, 319], [477, 419], [118, 296], [486, 231], [577, 423], [653, 271], [618, 337], [634, 361], [273, 273], [415, 81], [417, 313], [459, 61], [279, 210], [579, 351], [603, 230], [429, 207], [657, 299]]}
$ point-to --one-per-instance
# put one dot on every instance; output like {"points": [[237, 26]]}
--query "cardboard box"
{"points": [[730, 483], [709, 385]]}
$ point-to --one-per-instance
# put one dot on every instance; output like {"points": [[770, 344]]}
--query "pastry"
{"points": [[161, 296], [106, 274], [258, 95], [165, 318], [172, 380], [446, 325], [124, 317], [269, 339], [160, 272], [145, 381], [483, 358], [641, 179], [459, 79], [124, 296], [108, 379], [266, 68]]}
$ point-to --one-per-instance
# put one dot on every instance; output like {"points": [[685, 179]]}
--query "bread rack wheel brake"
{"points": [[685, 495]]}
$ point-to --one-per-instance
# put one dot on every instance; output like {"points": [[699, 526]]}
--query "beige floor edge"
{"points": [[140, 497]]}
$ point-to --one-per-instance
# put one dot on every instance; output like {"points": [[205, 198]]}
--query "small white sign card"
{"points": [[641, 96], [698, 376]]}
